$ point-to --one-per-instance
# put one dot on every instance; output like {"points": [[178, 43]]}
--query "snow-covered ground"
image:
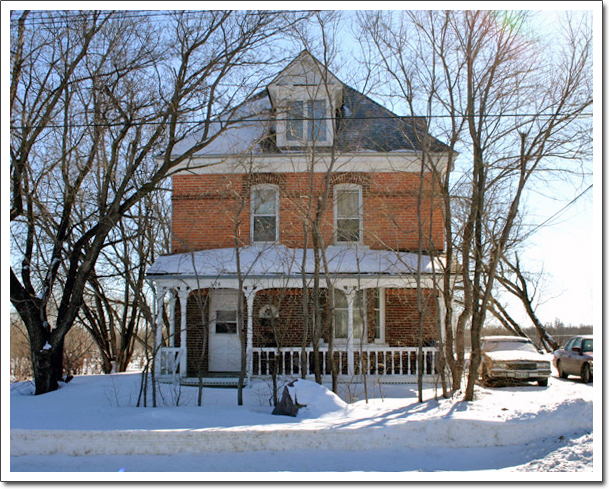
{"points": [[92, 424]]}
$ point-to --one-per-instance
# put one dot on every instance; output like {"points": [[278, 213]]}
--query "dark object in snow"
{"points": [[67, 378], [287, 406]]}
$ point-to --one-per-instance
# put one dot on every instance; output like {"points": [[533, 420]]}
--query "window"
{"points": [[341, 314], [265, 204], [306, 121], [226, 322], [379, 315], [348, 213]]}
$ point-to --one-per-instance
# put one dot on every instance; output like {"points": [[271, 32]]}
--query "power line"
{"points": [[560, 211], [110, 15], [66, 15], [359, 118]]}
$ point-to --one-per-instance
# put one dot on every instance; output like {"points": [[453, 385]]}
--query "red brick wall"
{"points": [[208, 208], [402, 317], [286, 330]]}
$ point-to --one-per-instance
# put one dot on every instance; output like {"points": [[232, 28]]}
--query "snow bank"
{"points": [[318, 400]]}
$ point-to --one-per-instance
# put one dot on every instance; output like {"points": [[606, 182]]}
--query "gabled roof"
{"points": [[363, 125], [304, 69]]}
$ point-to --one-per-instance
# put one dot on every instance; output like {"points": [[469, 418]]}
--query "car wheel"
{"points": [[542, 382], [485, 380], [586, 377], [561, 373]]}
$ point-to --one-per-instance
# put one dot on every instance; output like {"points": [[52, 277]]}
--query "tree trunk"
{"points": [[47, 363]]}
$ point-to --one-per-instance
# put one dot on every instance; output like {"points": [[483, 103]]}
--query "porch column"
{"points": [[250, 294], [172, 321], [183, 345], [158, 343], [350, 294]]}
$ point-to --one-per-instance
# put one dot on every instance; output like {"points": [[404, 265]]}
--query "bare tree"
{"points": [[510, 110], [525, 288], [94, 97], [112, 310]]}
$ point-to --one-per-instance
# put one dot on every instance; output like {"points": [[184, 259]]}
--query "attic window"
{"points": [[306, 121]]}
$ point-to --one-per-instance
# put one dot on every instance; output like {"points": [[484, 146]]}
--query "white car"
{"points": [[512, 358]]}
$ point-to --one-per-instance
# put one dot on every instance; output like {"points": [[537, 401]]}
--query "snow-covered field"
{"points": [[507, 434]]}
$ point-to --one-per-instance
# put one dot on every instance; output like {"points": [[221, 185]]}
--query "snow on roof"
{"points": [[246, 128], [267, 260]]}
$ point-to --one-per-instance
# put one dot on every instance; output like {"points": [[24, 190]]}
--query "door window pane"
{"points": [[226, 322]]}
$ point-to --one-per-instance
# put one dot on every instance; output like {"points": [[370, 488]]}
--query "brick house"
{"points": [[243, 253]]}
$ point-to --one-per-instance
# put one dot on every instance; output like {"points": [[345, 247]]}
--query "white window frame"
{"points": [[253, 215], [350, 188]]}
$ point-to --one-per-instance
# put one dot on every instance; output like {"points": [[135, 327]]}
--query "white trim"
{"points": [[298, 162]]}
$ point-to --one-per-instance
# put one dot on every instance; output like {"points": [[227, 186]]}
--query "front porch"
{"points": [[384, 364], [208, 320]]}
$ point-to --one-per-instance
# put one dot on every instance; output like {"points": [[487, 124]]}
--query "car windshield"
{"points": [[507, 345], [587, 345]]}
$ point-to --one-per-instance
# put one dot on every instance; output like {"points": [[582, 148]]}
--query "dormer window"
{"points": [[265, 214], [306, 122]]}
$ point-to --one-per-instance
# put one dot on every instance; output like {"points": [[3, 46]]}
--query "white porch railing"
{"points": [[169, 361], [397, 363], [376, 360]]}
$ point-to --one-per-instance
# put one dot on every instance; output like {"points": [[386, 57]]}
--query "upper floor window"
{"points": [[348, 213], [306, 121], [265, 214]]}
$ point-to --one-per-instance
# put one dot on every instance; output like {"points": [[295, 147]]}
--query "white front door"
{"points": [[224, 345]]}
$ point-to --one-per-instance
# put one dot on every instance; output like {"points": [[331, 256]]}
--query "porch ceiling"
{"points": [[275, 260]]}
